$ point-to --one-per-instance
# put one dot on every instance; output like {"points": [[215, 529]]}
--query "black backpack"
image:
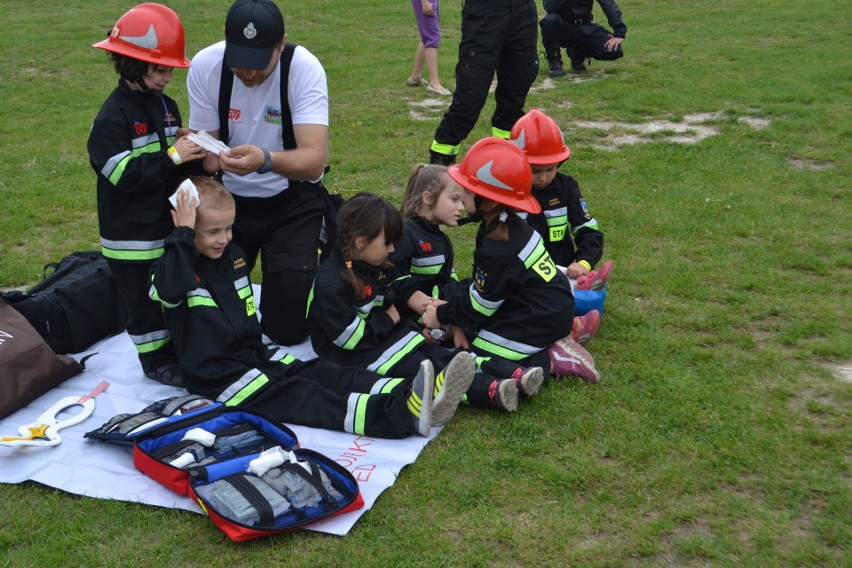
{"points": [[76, 305]]}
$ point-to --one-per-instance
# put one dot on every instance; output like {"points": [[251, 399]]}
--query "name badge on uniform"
{"points": [[545, 267], [558, 233]]}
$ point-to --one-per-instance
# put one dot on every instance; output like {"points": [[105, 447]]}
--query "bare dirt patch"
{"points": [[809, 164]]}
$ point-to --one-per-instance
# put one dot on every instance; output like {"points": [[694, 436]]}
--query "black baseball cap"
{"points": [[252, 30]]}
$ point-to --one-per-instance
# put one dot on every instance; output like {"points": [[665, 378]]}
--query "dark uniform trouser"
{"points": [[146, 326], [321, 394], [497, 36], [285, 229], [581, 41]]}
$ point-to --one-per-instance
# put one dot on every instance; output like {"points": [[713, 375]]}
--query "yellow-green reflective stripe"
{"points": [[479, 306], [390, 385], [356, 335], [135, 153], [498, 350], [535, 254], [244, 293], [152, 254], [151, 345], [310, 300], [248, 390], [287, 359], [591, 224], [426, 269], [445, 149], [500, 133], [196, 301], [557, 221], [358, 425], [408, 348]]}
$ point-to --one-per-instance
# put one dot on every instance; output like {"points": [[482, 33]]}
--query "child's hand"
{"points": [[188, 150], [459, 338], [576, 269], [393, 314], [184, 215], [430, 317], [426, 6]]}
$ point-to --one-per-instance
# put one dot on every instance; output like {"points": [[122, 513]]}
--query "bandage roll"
{"points": [[202, 436], [183, 460], [265, 462]]}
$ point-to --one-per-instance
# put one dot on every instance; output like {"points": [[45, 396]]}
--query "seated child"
{"points": [[202, 283], [519, 303], [358, 296], [575, 250]]}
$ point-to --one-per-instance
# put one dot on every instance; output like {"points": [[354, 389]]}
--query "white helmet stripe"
{"points": [[148, 41], [484, 174]]}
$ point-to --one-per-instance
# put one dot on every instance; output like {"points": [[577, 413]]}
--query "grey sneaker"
{"points": [[420, 399], [529, 379], [504, 394], [450, 385]]}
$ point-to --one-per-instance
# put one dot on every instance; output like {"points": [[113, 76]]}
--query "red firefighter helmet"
{"points": [[496, 169], [540, 138], [148, 32]]}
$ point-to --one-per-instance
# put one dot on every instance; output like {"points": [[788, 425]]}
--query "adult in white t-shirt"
{"points": [[279, 194]]}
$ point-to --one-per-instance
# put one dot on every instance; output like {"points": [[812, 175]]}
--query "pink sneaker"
{"points": [[569, 358], [595, 279], [585, 326]]}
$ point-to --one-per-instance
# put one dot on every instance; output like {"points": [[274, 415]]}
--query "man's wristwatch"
{"points": [[267, 163]]}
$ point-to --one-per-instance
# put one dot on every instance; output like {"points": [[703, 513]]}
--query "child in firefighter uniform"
{"points": [[138, 156], [357, 299], [203, 284], [518, 301], [571, 235]]}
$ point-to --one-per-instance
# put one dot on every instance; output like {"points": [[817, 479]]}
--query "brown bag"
{"points": [[28, 367]]}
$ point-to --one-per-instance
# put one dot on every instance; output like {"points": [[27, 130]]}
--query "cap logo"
{"points": [[250, 31], [148, 41], [484, 174], [521, 140]]}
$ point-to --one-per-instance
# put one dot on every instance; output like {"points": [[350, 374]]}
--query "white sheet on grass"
{"points": [[105, 470]]}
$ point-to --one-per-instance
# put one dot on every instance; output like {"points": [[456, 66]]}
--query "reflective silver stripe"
{"points": [[351, 412], [429, 260], [112, 163], [171, 131], [508, 343], [152, 293], [241, 283], [202, 292], [529, 247], [561, 212], [392, 351], [482, 301], [148, 337], [240, 384], [590, 224], [143, 141], [367, 308], [522, 214], [380, 384], [131, 245], [348, 332]]}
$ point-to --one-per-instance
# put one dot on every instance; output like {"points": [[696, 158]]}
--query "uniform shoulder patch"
{"points": [[479, 278], [585, 209]]}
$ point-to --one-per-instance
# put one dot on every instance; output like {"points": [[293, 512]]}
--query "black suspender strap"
{"points": [[226, 87]]}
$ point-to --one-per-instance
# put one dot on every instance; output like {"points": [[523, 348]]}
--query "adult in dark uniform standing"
{"points": [[569, 24], [498, 36]]}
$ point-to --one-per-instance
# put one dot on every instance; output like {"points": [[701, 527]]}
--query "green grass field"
{"points": [[720, 434]]}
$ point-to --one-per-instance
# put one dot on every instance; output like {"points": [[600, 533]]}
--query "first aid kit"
{"points": [[245, 470]]}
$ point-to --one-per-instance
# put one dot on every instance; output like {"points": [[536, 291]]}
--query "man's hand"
{"points": [[184, 215], [242, 160], [613, 43]]}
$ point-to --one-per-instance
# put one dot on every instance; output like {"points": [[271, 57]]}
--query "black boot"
{"points": [[441, 159], [554, 62], [578, 54]]}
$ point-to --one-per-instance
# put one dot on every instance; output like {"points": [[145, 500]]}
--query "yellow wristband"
{"points": [[173, 154], [586, 264]]}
